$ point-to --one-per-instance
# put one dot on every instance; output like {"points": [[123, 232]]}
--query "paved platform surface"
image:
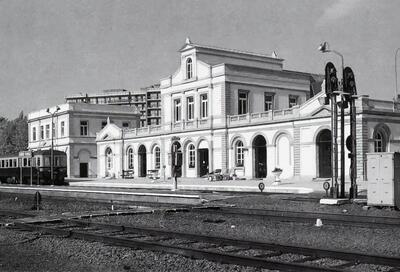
{"points": [[297, 186]]}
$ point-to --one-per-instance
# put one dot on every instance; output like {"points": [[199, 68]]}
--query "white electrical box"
{"points": [[383, 176]]}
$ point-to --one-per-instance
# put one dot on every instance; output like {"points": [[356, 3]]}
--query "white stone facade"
{"points": [[217, 108], [76, 125]]}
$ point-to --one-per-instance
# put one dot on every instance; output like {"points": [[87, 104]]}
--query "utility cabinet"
{"points": [[383, 175]]}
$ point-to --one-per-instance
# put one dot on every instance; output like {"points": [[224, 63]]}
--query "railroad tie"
{"points": [[346, 264], [268, 255], [307, 259]]}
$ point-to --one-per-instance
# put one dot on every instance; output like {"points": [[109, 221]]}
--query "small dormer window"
{"points": [[189, 68]]}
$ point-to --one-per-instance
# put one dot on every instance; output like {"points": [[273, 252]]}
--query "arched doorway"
{"points": [[203, 159], [142, 161], [260, 157], [324, 152], [176, 158]]}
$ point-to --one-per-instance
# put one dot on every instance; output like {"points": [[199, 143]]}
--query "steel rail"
{"points": [[15, 213], [321, 253], [362, 220], [187, 252]]}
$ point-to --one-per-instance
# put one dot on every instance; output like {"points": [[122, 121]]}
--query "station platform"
{"points": [[297, 186]]}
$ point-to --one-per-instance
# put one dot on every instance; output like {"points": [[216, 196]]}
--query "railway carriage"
{"points": [[19, 168]]}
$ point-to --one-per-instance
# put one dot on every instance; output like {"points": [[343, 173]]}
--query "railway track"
{"points": [[218, 249], [8, 216], [307, 217]]}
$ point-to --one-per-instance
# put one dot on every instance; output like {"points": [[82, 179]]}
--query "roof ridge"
{"points": [[234, 50]]}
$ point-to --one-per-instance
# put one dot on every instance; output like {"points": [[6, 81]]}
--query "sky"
{"points": [[53, 48]]}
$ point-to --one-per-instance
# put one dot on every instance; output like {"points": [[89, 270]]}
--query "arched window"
{"points": [[157, 159], [130, 158], [192, 156], [379, 142], [239, 153], [189, 68], [109, 159]]}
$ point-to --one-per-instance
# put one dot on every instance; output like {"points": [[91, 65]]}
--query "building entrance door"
{"points": [[142, 157], [203, 161], [260, 157], [83, 170], [324, 146]]}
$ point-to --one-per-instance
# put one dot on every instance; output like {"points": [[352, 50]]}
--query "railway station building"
{"points": [[242, 112], [74, 132]]}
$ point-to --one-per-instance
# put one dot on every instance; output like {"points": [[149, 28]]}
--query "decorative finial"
{"points": [[188, 41], [108, 120], [274, 55]]}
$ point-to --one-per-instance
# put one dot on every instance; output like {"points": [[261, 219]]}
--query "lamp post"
{"points": [[395, 71], [52, 142], [324, 48]]}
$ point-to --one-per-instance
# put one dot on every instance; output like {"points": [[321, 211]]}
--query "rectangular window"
{"points": [[190, 108], [34, 134], [84, 128], [47, 131], [53, 130], [125, 124], [41, 132], [242, 102], [62, 125], [25, 162], [293, 100], [203, 106], [268, 102], [177, 110]]}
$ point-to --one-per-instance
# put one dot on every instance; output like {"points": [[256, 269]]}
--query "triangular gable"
{"points": [[109, 132], [186, 47], [323, 111]]}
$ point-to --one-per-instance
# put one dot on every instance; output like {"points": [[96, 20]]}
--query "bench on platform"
{"points": [[127, 173], [153, 174]]}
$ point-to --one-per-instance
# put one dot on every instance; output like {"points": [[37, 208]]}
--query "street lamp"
{"points": [[395, 71], [324, 48], [52, 142]]}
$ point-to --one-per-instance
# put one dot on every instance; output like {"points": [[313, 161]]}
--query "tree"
{"points": [[13, 135]]}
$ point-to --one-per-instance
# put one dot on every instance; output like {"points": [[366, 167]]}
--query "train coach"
{"points": [[33, 167]]}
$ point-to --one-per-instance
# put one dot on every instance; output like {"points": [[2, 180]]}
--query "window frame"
{"points": [[239, 153], [189, 68], [190, 108], [41, 132], [109, 160], [125, 124], [191, 156], [47, 127], [177, 110], [379, 143], [243, 103], [84, 129], [271, 103], [296, 97], [157, 157], [130, 158], [62, 128], [203, 106], [33, 133]]}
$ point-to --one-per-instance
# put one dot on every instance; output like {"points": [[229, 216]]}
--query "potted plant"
{"points": [[277, 173]]}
